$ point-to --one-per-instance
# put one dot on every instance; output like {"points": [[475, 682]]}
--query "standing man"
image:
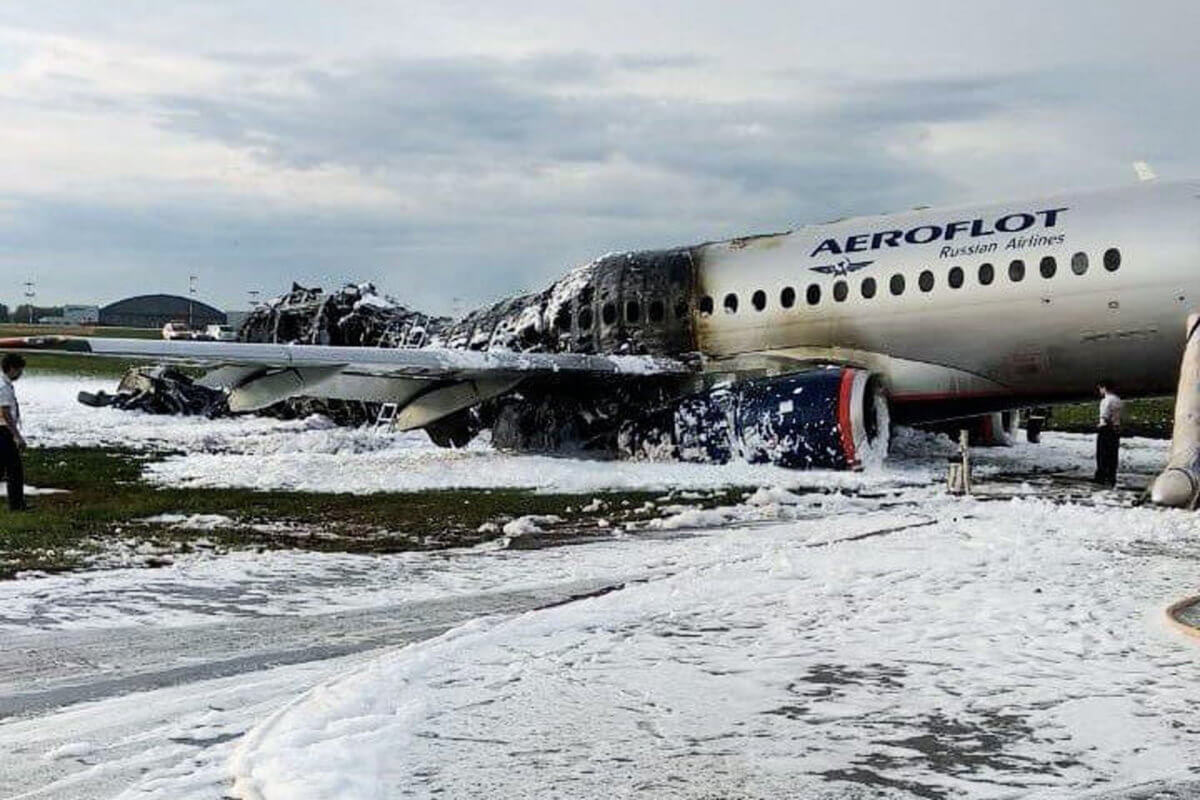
{"points": [[11, 441], [1108, 435]]}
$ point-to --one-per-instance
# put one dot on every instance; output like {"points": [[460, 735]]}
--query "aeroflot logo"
{"points": [[927, 234]]}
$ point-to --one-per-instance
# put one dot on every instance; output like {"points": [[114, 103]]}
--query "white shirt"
{"points": [[8, 397], [1110, 411]]}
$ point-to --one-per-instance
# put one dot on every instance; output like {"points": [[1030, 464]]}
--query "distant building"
{"points": [[81, 315], [236, 318], [156, 310], [72, 315]]}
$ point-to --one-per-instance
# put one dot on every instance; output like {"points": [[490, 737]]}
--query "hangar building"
{"points": [[156, 310]]}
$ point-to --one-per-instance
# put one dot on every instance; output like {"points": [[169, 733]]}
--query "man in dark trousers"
{"points": [[1108, 434], [11, 440]]}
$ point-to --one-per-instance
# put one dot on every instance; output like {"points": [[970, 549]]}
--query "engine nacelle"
{"points": [[832, 418], [827, 418]]}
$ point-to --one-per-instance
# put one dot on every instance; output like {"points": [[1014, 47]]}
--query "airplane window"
{"points": [[925, 281], [706, 305], [897, 285], [1112, 259], [731, 303], [562, 318], [681, 309], [585, 319], [657, 311], [787, 298], [955, 278], [759, 300], [813, 296], [840, 290], [1016, 271], [868, 288], [608, 313], [1079, 263], [1048, 267], [987, 274], [633, 311]]}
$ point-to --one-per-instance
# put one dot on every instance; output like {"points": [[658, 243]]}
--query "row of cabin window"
{"points": [[955, 278], [656, 312]]}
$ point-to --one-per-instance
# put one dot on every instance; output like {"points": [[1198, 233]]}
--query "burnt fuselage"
{"points": [[634, 303]]}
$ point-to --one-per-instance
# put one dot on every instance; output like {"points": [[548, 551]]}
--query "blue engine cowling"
{"points": [[825, 418]]}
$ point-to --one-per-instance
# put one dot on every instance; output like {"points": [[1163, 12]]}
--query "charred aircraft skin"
{"points": [[354, 316], [638, 303]]}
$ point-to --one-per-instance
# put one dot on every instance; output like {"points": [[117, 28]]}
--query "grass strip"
{"points": [[107, 494]]}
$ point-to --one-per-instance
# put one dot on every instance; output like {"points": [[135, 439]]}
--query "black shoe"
{"points": [[25, 507]]}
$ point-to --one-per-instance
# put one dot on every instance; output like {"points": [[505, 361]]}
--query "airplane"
{"points": [[797, 348]]}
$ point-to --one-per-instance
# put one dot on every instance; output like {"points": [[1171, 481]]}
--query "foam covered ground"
{"points": [[1006, 650], [314, 455], [886, 640]]}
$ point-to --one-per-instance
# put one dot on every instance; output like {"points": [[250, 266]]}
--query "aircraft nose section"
{"points": [[1175, 487]]}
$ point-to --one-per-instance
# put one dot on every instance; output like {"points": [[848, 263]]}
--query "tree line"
{"points": [[22, 312]]}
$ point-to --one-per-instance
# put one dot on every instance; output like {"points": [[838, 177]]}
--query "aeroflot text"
{"points": [[926, 234]]}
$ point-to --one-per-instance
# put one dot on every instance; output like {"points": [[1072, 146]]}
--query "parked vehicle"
{"points": [[177, 330], [220, 333]]}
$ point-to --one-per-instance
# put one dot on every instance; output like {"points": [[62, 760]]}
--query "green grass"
{"points": [[10, 329], [107, 495], [72, 364], [1149, 416]]}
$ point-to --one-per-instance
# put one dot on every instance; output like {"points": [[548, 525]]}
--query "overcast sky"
{"points": [[453, 152]]}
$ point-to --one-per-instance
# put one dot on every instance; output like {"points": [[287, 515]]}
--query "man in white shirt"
{"points": [[12, 366], [1108, 434]]}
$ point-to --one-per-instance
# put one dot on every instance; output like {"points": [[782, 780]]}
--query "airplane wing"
{"points": [[427, 383]]}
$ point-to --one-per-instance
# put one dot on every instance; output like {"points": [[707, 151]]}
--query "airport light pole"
{"points": [[192, 282], [30, 293]]}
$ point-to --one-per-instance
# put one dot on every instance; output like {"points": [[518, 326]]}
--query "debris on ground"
{"points": [[354, 316], [161, 390]]}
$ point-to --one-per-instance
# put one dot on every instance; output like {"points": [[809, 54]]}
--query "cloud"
{"points": [[500, 149], [445, 118]]}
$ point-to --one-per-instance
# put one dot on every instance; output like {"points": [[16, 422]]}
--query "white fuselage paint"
{"points": [[1037, 337]]}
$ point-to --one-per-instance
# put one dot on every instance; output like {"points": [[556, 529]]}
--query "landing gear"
{"points": [[456, 430], [1034, 423]]}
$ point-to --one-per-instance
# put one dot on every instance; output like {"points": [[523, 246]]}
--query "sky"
{"points": [[453, 152]]}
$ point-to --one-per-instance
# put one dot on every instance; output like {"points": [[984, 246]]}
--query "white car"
{"points": [[176, 330], [221, 333]]}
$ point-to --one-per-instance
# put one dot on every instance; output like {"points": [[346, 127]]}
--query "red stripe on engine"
{"points": [[845, 397]]}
